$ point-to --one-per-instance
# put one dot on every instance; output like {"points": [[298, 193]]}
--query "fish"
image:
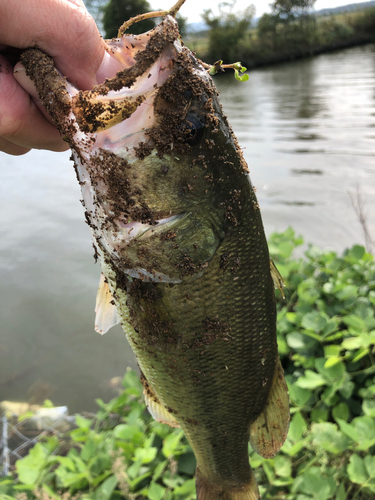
{"points": [[185, 264]]}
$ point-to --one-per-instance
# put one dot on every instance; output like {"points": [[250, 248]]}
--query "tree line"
{"points": [[111, 14], [289, 31]]}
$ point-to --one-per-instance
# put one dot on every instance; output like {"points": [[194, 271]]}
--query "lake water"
{"points": [[308, 133]]}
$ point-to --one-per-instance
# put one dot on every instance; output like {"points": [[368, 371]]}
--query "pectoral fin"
{"points": [[268, 432], [277, 278], [154, 406], [106, 312]]}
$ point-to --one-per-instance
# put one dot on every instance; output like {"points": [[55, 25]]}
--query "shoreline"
{"points": [[305, 54]]}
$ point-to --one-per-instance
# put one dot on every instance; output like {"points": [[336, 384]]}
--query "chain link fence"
{"points": [[18, 436]]}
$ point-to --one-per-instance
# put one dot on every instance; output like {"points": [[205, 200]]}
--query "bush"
{"points": [[227, 30], [326, 335]]}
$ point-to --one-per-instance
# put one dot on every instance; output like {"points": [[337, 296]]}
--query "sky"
{"points": [[193, 8]]}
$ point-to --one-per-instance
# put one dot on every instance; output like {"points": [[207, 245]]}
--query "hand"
{"points": [[64, 30]]}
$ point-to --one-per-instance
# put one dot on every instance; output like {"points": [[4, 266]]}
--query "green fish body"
{"points": [[185, 262]]}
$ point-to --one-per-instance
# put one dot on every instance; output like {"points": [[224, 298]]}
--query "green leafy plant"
{"points": [[326, 336]]}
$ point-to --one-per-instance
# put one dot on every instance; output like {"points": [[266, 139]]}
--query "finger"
{"points": [[63, 29], [21, 122], [12, 149]]}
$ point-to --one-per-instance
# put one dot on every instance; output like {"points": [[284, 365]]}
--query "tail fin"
{"points": [[207, 490]]}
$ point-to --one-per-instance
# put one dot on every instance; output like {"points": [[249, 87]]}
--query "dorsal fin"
{"points": [[106, 312]]}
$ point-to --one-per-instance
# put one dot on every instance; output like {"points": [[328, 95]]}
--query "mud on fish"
{"points": [[185, 265]]}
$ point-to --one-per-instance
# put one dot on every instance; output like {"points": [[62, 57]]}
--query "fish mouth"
{"points": [[116, 114]]}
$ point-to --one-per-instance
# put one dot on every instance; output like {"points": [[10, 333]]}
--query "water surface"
{"points": [[308, 133]]}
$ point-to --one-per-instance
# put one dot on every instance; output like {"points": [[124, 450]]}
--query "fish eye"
{"points": [[188, 95], [192, 129]]}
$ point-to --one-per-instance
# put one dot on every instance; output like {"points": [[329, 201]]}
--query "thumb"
{"points": [[61, 28]]}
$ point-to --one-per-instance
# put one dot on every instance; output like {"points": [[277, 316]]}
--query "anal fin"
{"points": [[106, 312], [268, 432], [155, 407]]}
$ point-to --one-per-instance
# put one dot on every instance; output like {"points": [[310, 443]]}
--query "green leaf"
{"points": [[171, 444], [269, 471], [347, 388], [83, 423], [319, 415], [133, 470], [30, 467], [341, 493], [329, 396], [106, 489], [369, 462], [297, 427], [156, 492], [352, 343], [66, 462], [326, 436], [283, 466], [315, 484], [298, 395], [128, 432], [131, 381], [341, 411], [187, 463], [356, 470], [332, 361], [241, 78], [330, 373], [365, 426], [311, 380], [293, 449], [89, 449], [348, 292], [332, 350], [314, 321], [368, 407], [299, 341], [146, 455], [357, 252], [354, 322], [71, 478], [331, 326], [188, 488]]}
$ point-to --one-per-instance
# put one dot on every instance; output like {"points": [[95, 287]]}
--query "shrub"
{"points": [[326, 335]]}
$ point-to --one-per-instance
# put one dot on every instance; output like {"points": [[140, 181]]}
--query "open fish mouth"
{"points": [[108, 124], [115, 119]]}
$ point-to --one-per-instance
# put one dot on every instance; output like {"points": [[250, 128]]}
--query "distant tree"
{"points": [[182, 25], [95, 7], [292, 9], [116, 12], [267, 26], [227, 30]]}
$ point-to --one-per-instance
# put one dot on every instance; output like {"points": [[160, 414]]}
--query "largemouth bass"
{"points": [[185, 264]]}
